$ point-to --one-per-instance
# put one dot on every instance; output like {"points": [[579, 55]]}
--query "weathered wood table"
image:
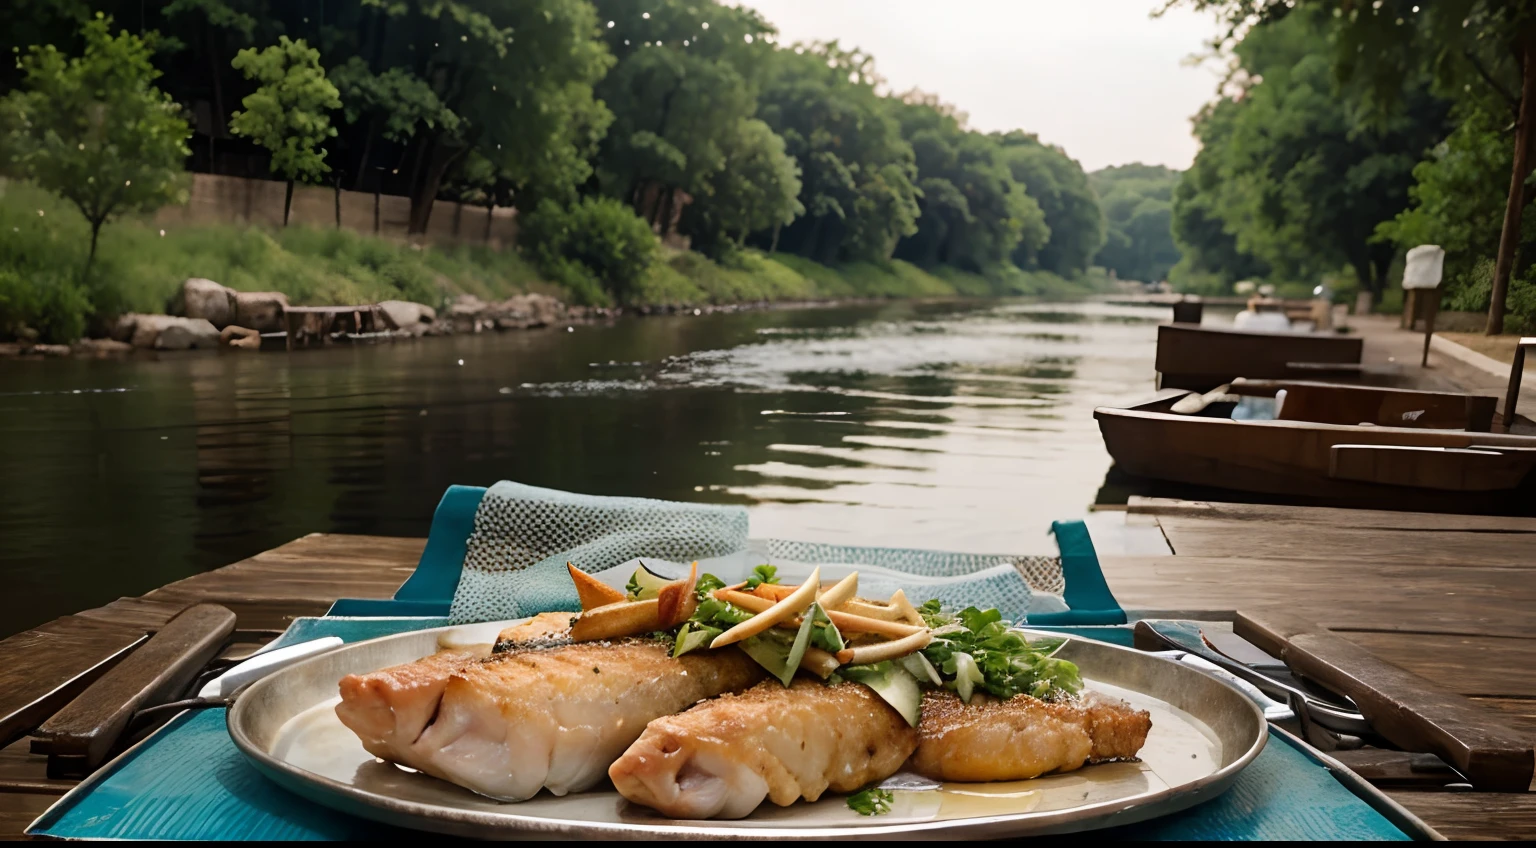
{"points": [[1447, 597]]}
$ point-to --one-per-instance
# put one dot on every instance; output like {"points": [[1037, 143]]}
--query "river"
{"points": [[959, 426]]}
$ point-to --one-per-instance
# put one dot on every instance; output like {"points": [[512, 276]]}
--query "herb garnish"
{"points": [[762, 574], [872, 801], [977, 650]]}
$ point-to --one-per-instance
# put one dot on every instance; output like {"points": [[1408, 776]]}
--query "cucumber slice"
{"points": [[779, 654], [967, 675], [919, 667], [692, 636], [893, 684], [645, 584]]}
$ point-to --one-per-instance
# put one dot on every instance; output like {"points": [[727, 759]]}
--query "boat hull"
{"points": [[1200, 358], [1297, 459]]}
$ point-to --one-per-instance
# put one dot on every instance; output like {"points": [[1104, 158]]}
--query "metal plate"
{"points": [[1203, 734]]}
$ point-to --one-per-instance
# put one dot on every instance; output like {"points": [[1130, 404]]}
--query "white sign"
{"points": [[1424, 266]]}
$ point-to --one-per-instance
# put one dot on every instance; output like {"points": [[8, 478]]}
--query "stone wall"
{"points": [[236, 200]]}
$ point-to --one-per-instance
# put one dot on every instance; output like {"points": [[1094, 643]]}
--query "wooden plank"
{"points": [[1413, 712], [1472, 815], [23, 771], [79, 737], [19, 809], [43, 668], [1344, 593], [1355, 519], [1468, 665], [1200, 537]]}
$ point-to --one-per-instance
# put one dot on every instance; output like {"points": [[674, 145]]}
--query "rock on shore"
{"points": [[165, 332], [222, 306]]}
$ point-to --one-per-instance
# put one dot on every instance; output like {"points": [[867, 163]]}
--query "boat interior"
{"points": [[1327, 403]]}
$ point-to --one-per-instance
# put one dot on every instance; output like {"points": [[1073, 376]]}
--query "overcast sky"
{"points": [[1098, 77]]}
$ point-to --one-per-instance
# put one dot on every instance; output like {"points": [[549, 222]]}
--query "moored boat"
{"points": [[1345, 445], [1200, 358]]}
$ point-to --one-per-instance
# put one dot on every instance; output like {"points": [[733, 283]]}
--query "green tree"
{"points": [[757, 188], [685, 81], [1306, 178], [858, 175], [1072, 215], [95, 130], [1138, 212], [1211, 256], [508, 80], [289, 114], [1465, 44], [974, 214]]}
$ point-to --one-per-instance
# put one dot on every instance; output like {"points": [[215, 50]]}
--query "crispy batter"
{"points": [[527, 718], [1022, 737], [721, 758]]}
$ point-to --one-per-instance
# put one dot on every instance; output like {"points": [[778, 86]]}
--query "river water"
{"points": [[957, 426]]}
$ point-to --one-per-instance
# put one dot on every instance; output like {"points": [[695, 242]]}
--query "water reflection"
{"points": [[957, 426]]}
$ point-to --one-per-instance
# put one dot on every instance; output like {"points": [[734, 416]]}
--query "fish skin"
{"points": [[1022, 737], [723, 757], [526, 719]]}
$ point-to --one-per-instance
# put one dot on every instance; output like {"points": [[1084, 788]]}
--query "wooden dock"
{"points": [[1446, 597]]}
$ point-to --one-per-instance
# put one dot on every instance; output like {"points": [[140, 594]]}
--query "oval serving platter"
{"points": [[1203, 733]]}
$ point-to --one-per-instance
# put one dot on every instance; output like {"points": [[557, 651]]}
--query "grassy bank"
{"points": [[44, 284]]}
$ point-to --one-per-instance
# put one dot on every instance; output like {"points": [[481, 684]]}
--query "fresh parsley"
{"points": [[762, 574], [975, 649], [632, 588], [872, 801]]}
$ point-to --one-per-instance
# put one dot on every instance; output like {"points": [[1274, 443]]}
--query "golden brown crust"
{"points": [[1022, 737]]}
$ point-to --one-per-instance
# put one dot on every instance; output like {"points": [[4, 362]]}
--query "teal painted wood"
{"points": [[190, 782]]}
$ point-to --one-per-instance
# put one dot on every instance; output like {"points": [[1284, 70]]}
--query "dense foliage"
{"points": [[1350, 132], [1138, 213], [689, 116]]}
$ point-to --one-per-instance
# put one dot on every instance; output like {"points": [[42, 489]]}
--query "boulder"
{"points": [[49, 350], [470, 314], [171, 332], [122, 331], [208, 300], [102, 348], [240, 338], [260, 311], [527, 310], [408, 317]]}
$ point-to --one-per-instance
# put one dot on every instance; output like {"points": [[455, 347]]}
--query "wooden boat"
{"points": [[1344, 445], [1200, 358]]}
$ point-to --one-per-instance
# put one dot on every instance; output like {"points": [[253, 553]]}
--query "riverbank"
{"points": [[47, 297]]}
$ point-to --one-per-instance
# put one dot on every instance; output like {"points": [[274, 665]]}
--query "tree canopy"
{"points": [[1137, 201], [1396, 66], [690, 113]]}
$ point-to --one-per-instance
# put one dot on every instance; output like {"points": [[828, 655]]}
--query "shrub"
{"points": [[601, 234], [48, 303]]}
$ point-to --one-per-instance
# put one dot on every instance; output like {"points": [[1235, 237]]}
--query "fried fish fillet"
{"points": [[1022, 737], [527, 719], [721, 758]]}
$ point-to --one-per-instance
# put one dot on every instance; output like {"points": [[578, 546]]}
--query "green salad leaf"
{"points": [[975, 650], [824, 634], [762, 574], [707, 583], [872, 801]]}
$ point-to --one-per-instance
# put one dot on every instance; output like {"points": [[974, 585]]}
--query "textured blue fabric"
{"points": [[190, 782]]}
